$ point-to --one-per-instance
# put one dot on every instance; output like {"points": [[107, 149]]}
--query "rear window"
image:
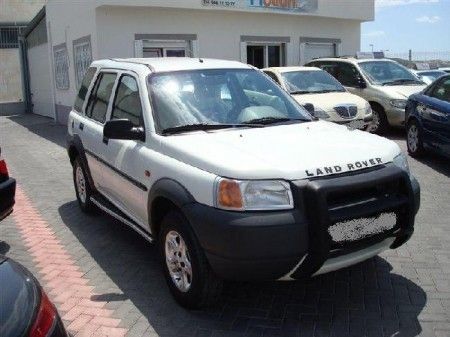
{"points": [[79, 101]]}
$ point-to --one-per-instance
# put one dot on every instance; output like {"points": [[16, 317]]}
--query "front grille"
{"points": [[351, 211], [346, 111]]}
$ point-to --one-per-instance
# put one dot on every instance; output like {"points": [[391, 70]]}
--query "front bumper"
{"points": [[395, 116], [296, 243], [7, 195]]}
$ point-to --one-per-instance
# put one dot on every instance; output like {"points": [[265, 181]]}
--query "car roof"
{"points": [[165, 64], [290, 69], [351, 60]]}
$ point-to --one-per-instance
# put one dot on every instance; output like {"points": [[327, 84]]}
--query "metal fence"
{"points": [[420, 55]]}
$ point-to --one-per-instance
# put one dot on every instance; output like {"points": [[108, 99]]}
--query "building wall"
{"points": [[19, 11], [362, 10], [112, 28]]}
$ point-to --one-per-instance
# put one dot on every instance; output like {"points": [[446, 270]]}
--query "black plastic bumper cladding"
{"points": [[340, 198]]}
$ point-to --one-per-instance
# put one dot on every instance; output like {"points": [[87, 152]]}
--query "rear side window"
{"points": [[100, 95], [79, 101], [127, 104], [347, 74]]}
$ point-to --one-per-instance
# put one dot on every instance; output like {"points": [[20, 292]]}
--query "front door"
{"points": [[435, 112], [125, 176]]}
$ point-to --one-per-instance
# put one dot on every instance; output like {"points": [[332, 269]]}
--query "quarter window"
{"points": [[99, 99], [127, 104]]}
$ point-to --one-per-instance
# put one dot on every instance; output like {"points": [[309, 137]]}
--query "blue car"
{"points": [[428, 119]]}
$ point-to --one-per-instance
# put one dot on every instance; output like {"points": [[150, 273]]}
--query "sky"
{"points": [[400, 25]]}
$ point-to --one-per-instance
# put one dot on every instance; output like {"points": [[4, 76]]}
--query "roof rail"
{"points": [[133, 62]]}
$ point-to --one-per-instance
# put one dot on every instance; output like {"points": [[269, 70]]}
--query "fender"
{"points": [[171, 190], [74, 141]]}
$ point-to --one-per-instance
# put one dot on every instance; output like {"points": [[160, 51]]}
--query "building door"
{"points": [[318, 50], [40, 81], [265, 55]]}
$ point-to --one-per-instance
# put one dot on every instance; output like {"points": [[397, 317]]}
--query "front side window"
{"points": [[442, 90], [127, 104], [79, 100], [388, 73], [234, 97], [347, 74], [99, 99], [311, 81]]}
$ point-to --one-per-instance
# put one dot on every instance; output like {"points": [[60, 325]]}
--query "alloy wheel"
{"points": [[178, 261]]}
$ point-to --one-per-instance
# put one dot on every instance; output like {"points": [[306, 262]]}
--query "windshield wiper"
{"points": [[205, 127], [401, 81], [299, 92], [274, 120]]}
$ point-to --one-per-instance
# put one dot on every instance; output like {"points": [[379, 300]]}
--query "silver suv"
{"points": [[385, 84]]}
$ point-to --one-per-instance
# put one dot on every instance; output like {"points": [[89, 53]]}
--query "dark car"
{"points": [[428, 119], [25, 309], [7, 190]]}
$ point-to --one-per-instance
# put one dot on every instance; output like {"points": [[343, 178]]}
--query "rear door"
{"points": [[91, 131], [126, 173]]}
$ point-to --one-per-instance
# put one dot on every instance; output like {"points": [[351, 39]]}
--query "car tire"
{"points": [[414, 139], [186, 269], [83, 189], [379, 124]]}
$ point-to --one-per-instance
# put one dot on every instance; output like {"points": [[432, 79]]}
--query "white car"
{"points": [[231, 176], [331, 101], [384, 83], [429, 76]]}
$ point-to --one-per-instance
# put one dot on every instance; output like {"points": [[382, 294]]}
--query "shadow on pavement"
{"points": [[364, 300], [436, 162], [44, 127]]}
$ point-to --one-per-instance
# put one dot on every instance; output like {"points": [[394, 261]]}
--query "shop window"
{"points": [[61, 61], [82, 54]]}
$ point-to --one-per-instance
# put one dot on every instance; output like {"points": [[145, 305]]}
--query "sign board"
{"points": [[296, 6], [423, 66]]}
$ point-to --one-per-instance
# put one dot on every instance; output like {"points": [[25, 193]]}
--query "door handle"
{"points": [[81, 126]]}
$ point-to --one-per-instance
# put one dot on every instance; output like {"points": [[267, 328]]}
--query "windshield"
{"points": [[311, 81], [388, 73], [220, 97]]}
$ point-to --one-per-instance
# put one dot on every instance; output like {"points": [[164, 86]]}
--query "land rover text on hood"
{"points": [[231, 176]]}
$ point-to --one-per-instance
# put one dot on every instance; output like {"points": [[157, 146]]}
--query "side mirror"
{"points": [[123, 129], [309, 107], [361, 83]]}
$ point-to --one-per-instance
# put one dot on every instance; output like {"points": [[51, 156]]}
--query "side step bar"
{"points": [[113, 211]]}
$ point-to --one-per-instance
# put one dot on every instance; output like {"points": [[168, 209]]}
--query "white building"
{"points": [[65, 37]]}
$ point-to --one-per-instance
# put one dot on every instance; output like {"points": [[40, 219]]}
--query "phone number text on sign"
{"points": [[219, 3]]}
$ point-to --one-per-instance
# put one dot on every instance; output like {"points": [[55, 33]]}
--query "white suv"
{"points": [[231, 176], [384, 83]]}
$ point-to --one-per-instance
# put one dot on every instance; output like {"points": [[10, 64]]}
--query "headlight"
{"points": [[402, 162], [398, 103], [253, 195], [367, 109], [321, 114]]}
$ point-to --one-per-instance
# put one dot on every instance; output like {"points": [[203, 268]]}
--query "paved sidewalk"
{"points": [[106, 280]]}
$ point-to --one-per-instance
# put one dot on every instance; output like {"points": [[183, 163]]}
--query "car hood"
{"points": [[291, 152], [401, 91], [327, 101]]}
